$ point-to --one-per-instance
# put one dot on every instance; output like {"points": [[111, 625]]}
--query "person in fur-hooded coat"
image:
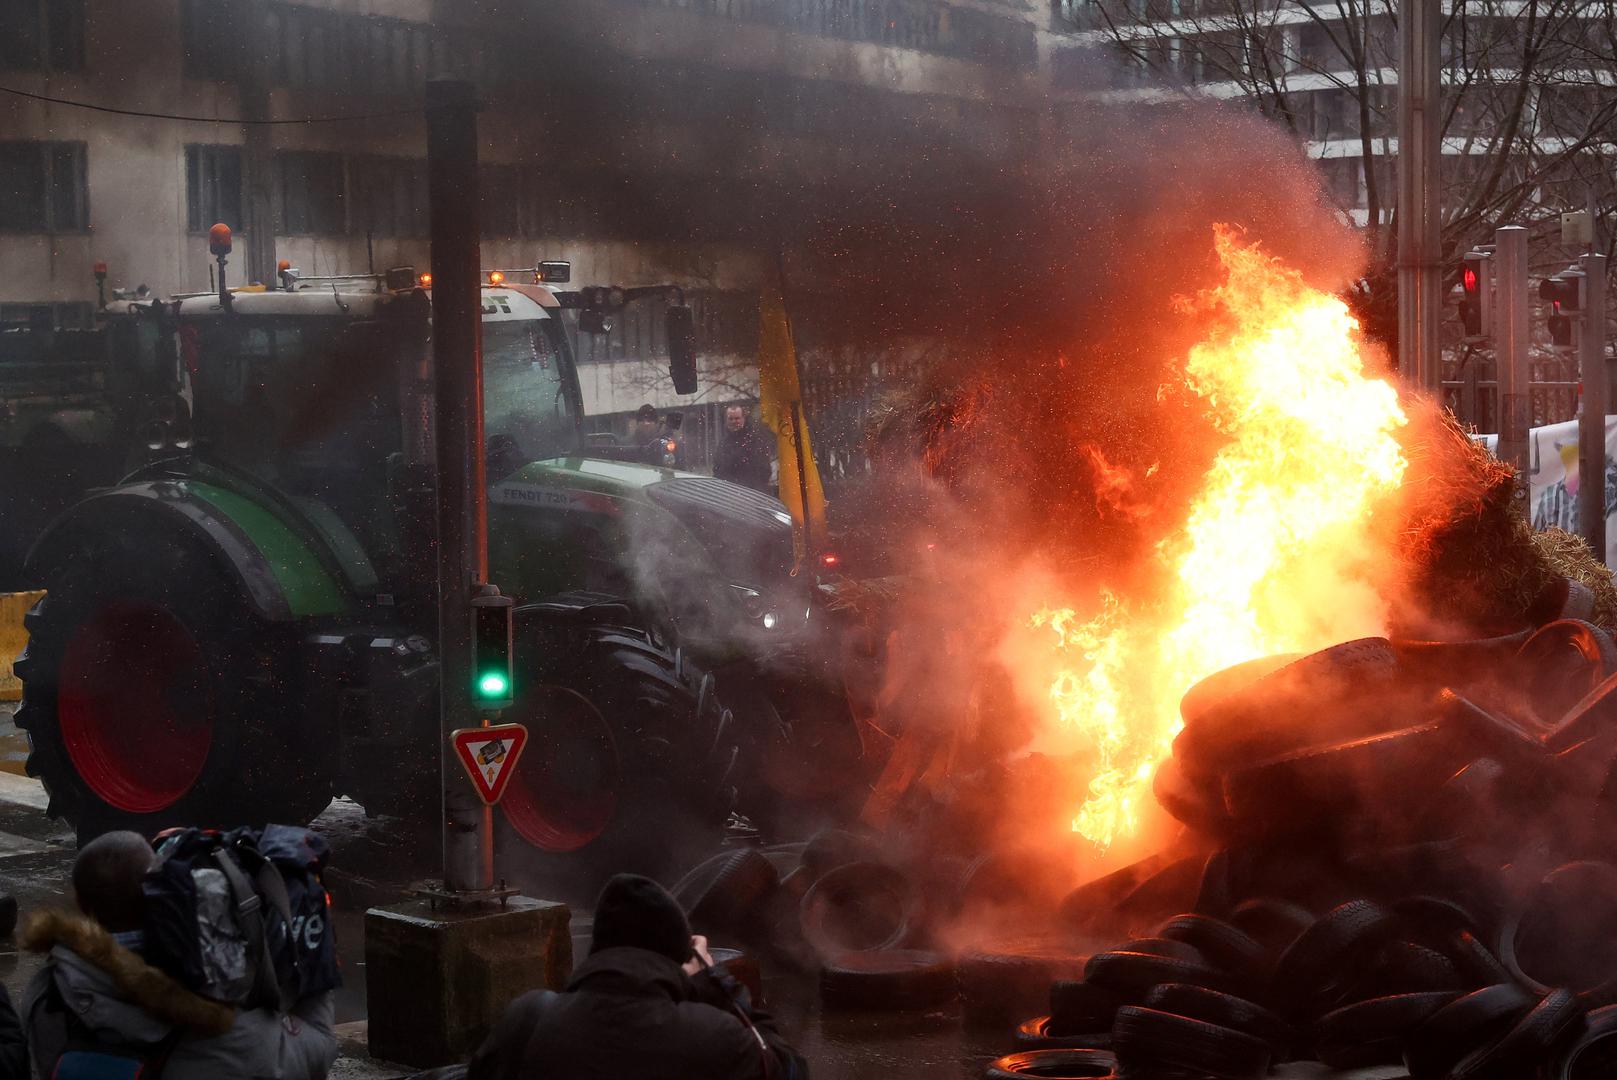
{"points": [[95, 992]]}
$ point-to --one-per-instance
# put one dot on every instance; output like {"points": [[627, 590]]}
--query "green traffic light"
{"points": [[493, 685]]}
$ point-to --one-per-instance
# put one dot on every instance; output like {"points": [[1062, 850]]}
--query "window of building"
{"points": [[210, 39], [66, 315], [213, 187], [42, 35], [43, 187], [408, 48], [1342, 180], [1321, 110], [553, 205], [309, 48], [726, 322], [501, 191], [312, 193], [1316, 51], [389, 196], [1079, 13], [354, 53], [365, 54], [541, 205], [1385, 170]]}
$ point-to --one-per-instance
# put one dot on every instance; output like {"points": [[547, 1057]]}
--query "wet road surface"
{"points": [[374, 861], [371, 863]]}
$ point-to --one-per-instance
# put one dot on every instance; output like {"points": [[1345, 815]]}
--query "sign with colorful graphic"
{"points": [[1553, 478]]}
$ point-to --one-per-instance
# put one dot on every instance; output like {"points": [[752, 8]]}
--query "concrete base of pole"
{"points": [[437, 978]]}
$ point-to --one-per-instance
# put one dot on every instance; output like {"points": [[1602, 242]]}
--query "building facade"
{"points": [[1527, 120], [1528, 128], [618, 134]]}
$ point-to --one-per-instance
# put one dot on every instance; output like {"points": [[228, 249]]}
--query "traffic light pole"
{"points": [[1596, 399], [1420, 250], [462, 498], [1510, 322]]}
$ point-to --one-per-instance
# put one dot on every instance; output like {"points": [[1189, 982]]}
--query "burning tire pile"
{"points": [[1399, 854], [1414, 867]]}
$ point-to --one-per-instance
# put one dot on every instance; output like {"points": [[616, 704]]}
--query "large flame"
{"points": [[1273, 552]]}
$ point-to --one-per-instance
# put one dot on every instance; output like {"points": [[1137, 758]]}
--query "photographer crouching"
{"points": [[648, 1002]]}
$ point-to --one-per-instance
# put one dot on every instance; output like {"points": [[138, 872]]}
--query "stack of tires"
{"points": [[1381, 815], [1368, 733], [1423, 984]]}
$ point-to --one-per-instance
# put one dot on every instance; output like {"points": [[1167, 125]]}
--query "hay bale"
{"points": [[1471, 563], [1568, 555]]}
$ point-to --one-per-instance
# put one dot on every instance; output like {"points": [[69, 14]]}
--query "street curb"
{"points": [[23, 791], [354, 1061]]}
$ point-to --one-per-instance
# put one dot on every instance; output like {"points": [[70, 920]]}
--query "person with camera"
{"points": [[98, 1009], [648, 1002]]}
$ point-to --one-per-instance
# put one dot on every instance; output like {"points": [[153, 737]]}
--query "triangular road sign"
{"points": [[489, 756]]}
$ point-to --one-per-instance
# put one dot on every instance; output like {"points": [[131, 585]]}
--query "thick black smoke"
{"points": [[1036, 242]]}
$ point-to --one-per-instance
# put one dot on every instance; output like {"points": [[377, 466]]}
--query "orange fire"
{"points": [[1273, 554], [1116, 490]]}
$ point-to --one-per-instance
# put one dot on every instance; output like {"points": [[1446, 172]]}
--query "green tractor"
{"points": [[244, 627]]}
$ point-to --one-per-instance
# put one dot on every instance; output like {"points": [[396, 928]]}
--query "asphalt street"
{"points": [[374, 863]]}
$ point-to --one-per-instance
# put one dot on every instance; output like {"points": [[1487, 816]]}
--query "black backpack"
{"points": [[241, 916]]}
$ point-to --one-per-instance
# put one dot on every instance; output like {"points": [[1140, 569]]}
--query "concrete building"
{"points": [[1529, 126], [601, 114], [1328, 72]]}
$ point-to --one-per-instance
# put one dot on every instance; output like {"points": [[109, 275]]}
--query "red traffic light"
{"points": [[1474, 295], [1564, 291]]}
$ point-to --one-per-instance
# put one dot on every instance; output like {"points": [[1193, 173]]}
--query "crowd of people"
{"points": [[647, 1002]]}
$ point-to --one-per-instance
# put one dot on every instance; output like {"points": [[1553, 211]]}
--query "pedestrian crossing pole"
{"points": [[457, 347], [1510, 322], [1596, 400], [1420, 249]]}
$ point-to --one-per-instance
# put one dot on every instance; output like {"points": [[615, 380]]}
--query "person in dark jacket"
{"points": [[648, 1003], [98, 1004], [743, 455], [13, 1041], [652, 443]]}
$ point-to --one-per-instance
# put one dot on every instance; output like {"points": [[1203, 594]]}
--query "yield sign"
{"points": [[489, 755]]}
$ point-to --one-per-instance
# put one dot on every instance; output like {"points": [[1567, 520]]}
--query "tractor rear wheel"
{"points": [[628, 765], [150, 694]]}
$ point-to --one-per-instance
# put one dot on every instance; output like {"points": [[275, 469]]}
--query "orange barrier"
{"points": [[13, 606]]}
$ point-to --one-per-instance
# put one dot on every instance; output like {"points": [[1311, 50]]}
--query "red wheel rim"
{"points": [[565, 790], [135, 703]]}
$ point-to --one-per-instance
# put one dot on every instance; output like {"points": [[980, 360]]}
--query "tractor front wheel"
{"points": [[629, 763], [151, 693]]}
